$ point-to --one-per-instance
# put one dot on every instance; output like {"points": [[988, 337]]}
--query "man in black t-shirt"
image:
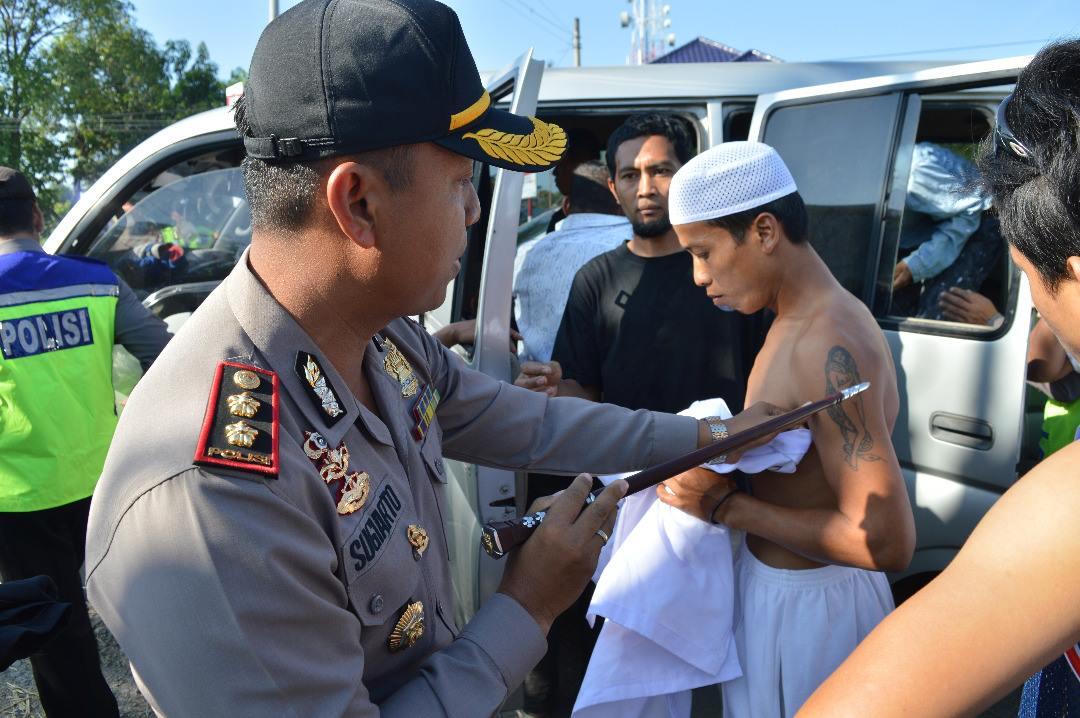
{"points": [[637, 331]]}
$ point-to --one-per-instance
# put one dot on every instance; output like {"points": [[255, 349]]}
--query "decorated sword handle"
{"points": [[499, 537]]}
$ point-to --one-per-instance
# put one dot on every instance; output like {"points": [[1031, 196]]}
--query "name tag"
{"points": [[30, 336], [378, 526]]}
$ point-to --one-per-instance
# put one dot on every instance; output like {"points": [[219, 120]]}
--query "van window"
{"points": [[189, 224], [949, 235], [840, 153]]}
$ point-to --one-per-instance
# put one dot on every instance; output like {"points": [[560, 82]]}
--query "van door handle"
{"points": [[963, 431]]}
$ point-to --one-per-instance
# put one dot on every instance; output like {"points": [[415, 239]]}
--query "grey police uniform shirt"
{"points": [[135, 328], [241, 594]]}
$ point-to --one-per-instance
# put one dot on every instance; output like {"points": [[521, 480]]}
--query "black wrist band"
{"points": [[725, 497]]}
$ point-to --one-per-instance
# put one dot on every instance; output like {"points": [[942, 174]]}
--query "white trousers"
{"points": [[794, 628]]}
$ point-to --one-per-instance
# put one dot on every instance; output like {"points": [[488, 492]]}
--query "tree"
{"points": [[81, 83], [27, 135]]}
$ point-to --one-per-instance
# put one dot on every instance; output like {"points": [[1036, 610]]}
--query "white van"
{"points": [[846, 130]]}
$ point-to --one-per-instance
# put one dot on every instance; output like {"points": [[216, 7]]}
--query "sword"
{"points": [[499, 537]]}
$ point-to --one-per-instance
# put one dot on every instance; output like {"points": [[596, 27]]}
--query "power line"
{"points": [[549, 13], [551, 23], [940, 49], [559, 35]]}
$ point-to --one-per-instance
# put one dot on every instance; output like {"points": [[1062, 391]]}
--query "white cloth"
{"points": [[665, 587], [542, 285], [794, 628], [727, 179]]}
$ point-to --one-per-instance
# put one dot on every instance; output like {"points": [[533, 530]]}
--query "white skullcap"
{"points": [[729, 178]]}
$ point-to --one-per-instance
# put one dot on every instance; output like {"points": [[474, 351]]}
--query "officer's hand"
{"points": [[540, 376], [548, 572], [760, 412], [697, 492]]}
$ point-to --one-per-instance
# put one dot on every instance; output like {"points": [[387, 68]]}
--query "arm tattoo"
{"points": [[841, 373]]}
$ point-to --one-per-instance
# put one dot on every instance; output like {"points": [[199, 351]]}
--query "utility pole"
{"points": [[273, 10], [577, 42]]}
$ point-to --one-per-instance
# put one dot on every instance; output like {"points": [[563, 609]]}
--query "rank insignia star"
{"points": [[398, 366], [241, 434], [409, 628], [250, 444], [424, 411], [243, 404], [319, 388], [418, 538]]}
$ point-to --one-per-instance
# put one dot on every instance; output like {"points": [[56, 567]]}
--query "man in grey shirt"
{"points": [[268, 537]]}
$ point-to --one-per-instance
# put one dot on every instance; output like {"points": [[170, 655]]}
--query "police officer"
{"points": [[268, 538], [59, 319]]}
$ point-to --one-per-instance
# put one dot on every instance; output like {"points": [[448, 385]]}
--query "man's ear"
{"points": [[766, 230], [566, 206], [355, 194], [1073, 265], [611, 186]]}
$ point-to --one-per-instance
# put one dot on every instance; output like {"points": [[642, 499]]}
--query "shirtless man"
{"points": [[808, 581]]}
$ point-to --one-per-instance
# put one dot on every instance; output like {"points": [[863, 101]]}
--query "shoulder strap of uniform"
{"points": [[241, 428]]}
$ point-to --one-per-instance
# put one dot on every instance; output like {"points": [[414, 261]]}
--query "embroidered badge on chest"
{"points": [[319, 387], [333, 466], [398, 366], [424, 411]]}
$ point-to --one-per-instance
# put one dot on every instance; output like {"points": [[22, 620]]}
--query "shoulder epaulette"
{"points": [[240, 430]]}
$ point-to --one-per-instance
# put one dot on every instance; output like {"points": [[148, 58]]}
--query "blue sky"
{"points": [[794, 30]]}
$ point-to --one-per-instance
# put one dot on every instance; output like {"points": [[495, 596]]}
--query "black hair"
{"points": [[16, 216], [1038, 198], [789, 210], [282, 194], [580, 143], [589, 191], [652, 123]]}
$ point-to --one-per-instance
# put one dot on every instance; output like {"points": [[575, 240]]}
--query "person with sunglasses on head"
{"points": [[1008, 605]]}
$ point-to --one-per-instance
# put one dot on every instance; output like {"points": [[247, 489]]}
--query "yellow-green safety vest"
{"points": [[57, 411]]}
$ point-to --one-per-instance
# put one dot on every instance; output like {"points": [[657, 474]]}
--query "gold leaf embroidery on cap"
{"points": [[409, 629], [544, 146]]}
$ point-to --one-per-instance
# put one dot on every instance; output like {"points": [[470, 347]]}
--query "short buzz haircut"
{"points": [[1036, 196], [789, 210], [282, 194], [589, 190], [16, 216], [646, 125]]}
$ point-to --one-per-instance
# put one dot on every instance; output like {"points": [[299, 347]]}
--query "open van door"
{"points": [[484, 288], [849, 146]]}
